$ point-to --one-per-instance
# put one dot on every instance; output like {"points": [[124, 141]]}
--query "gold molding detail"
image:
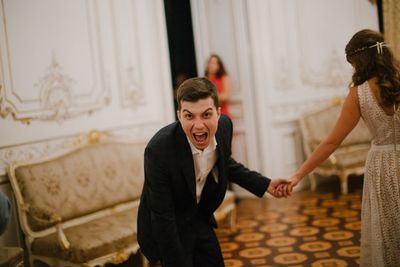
{"points": [[130, 74], [55, 94]]}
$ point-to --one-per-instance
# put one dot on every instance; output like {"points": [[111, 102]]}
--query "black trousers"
{"points": [[205, 250]]}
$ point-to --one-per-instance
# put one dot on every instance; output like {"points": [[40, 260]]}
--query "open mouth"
{"points": [[200, 137]]}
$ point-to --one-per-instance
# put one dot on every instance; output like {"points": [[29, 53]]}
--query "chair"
{"points": [[349, 157]]}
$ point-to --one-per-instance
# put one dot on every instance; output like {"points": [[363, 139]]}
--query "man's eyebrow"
{"points": [[207, 110], [186, 111]]}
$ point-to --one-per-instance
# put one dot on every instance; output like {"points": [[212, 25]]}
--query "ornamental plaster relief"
{"points": [[127, 49], [37, 150], [72, 82]]}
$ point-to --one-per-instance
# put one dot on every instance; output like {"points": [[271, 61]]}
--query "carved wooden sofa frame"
{"points": [[350, 156], [227, 210], [79, 208]]}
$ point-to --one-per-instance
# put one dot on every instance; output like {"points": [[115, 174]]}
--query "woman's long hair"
{"points": [[370, 58], [221, 70]]}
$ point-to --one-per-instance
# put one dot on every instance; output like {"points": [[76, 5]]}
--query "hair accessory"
{"points": [[379, 47]]}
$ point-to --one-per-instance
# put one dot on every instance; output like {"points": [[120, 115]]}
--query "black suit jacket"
{"points": [[168, 202]]}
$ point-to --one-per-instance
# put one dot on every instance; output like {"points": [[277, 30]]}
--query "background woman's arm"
{"points": [[226, 93]]}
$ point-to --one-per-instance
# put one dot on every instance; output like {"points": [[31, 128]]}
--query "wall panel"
{"points": [[68, 67]]}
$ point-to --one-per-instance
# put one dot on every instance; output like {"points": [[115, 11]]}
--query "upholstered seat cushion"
{"points": [[93, 239], [81, 182]]}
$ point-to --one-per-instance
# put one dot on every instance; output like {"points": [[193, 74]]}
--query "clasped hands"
{"points": [[281, 187]]}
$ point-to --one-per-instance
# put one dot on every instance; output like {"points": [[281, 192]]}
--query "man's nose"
{"points": [[198, 123]]}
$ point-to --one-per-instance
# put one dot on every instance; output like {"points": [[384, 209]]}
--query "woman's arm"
{"points": [[348, 119]]}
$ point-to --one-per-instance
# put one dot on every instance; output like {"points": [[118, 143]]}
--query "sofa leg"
{"points": [[313, 181], [343, 183], [232, 220]]}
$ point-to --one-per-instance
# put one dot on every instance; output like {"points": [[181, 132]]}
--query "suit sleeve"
{"points": [[250, 180], [241, 175], [162, 211]]}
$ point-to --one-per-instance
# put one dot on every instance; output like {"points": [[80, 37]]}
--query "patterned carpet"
{"points": [[308, 229], [317, 229]]}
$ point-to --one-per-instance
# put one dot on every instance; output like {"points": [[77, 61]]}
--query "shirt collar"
{"points": [[211, 147]]}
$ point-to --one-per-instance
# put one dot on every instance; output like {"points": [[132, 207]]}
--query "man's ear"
{"points": [[178, 114], [219, 112]]}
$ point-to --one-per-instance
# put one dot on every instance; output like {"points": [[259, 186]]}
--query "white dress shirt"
{"points": [[204, 162]]}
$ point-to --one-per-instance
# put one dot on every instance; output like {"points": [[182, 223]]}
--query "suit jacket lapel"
{"points": [[221, 164], [186, 160]]}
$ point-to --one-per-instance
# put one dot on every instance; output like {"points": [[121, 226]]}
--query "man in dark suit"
{"points": [[187, 167]]}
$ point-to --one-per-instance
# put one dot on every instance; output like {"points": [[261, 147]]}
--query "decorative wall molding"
{"points": [[298, 66], [92, 64], [56, 93], [333, 74], [289, 112], [127, 53], [73, 66], [321, 66], [28, 152], [132, 94]]}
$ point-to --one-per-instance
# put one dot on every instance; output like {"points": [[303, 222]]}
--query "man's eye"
{"points": [[188, 116], [207, 115]]}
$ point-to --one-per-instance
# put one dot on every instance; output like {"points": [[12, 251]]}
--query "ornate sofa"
{"points": [[349, 157], [79, 208]]}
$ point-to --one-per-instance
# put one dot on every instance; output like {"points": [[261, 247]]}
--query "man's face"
{"points": [[199, 121]]}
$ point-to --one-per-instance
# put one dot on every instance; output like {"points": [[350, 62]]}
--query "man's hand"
{"points": [[274, 186], [285, 189]]}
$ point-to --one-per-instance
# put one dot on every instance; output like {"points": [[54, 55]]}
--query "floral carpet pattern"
{"points": [[307, 229]]}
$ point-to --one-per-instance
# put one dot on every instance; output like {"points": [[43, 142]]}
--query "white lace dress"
{"points": [[380, 216]]}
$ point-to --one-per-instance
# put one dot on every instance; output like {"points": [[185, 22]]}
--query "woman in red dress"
{"points": [[216, 73]]}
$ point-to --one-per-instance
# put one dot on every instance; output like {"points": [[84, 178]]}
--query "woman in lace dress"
{"points": [[374, 97]]}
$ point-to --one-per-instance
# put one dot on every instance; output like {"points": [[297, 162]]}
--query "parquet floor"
{"points": [[317, 229], [309, 229]]}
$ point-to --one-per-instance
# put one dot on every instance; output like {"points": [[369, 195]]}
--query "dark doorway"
{"points": [[180, 40], [380, 16]]}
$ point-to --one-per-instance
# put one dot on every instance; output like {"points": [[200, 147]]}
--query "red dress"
{"points": [[220, 87]]}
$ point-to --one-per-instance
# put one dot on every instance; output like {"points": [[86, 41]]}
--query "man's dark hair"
{"points": [[195, 89]]}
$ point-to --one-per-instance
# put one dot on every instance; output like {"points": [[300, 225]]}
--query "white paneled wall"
{"points": [[299, 64], [72, 66], [285, 57], [69, 67]]}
